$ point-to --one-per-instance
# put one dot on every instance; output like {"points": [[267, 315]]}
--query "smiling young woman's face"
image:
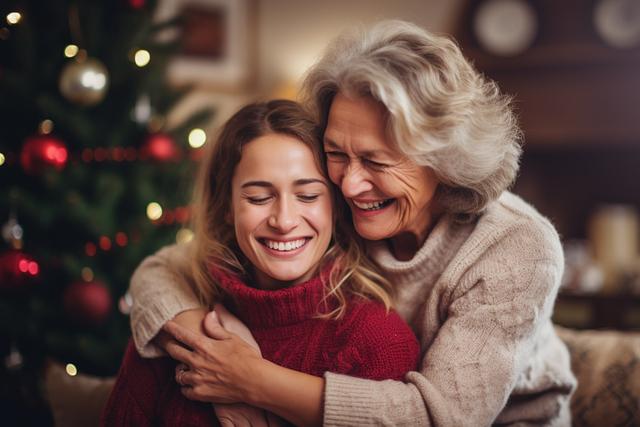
{"points": [[281, 210]]}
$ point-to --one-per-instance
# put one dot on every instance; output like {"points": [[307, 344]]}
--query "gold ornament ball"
{"points": [[84, 83]]}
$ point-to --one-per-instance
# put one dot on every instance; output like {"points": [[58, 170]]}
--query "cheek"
{"points": [[320, 217], [245, 221]]}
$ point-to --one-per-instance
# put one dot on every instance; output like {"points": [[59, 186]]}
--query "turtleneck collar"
{"points": [[259, 308]]}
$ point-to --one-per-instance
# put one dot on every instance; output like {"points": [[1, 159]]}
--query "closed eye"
{"points": [[259, 200], [374, 164], [308, 198]]}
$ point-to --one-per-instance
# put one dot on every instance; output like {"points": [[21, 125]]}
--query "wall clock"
{"points": [[505, 27], [618, 22]]}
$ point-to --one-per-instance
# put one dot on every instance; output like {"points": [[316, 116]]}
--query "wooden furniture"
{"points": [[598, 311], [578, 100]]}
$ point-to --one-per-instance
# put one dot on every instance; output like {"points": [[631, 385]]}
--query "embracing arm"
{"points": [[495, 315], [225, 369], [159, 295]]}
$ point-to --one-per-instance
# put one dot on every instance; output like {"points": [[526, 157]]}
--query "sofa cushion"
{"points": [[607, 366]]}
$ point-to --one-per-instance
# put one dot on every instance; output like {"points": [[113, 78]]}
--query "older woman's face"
{"points": [[388, 193]]}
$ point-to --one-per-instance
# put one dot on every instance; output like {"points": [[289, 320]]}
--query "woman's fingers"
{"points": [[179, 353], [185, 336], [181, 371]]}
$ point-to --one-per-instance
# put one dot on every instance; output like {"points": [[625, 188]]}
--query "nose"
{"points": [[284, 217], [355, 180]]}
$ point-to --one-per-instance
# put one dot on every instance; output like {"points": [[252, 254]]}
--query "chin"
{"points": [[371, 233]]}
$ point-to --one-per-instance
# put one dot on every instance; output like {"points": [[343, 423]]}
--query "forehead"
{"points": [[277, 156], [358, 122]]}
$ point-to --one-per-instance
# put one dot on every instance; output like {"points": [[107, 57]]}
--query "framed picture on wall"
{"points": [[216, 42]]}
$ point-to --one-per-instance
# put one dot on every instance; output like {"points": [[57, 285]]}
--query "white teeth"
{"points": [[285, 246], [369, 206]]}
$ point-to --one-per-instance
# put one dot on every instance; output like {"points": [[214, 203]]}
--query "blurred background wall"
{"points": [[286, 36]]}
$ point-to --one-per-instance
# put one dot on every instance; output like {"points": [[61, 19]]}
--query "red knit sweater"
{"points": [[367, 342]]}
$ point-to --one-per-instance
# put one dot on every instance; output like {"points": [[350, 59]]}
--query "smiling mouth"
{"points": [[373, 206], [284, 246]]}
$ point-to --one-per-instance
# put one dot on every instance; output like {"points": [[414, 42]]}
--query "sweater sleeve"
{"points": [[498, 307], [158, 295], [134, 395]]}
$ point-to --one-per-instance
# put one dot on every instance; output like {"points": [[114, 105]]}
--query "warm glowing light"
{"points": [[93, 80], [2, 159], [71, 369], [105, 243], [142, 57], [121, 239], [87, 274], [46, 126], [13, 18], [71, 50], [90, 249], [197, 138], [154, 211], [100, 154], [87, 155], [33, 268], [184, 235]]}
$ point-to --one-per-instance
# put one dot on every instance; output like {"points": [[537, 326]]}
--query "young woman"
{"points": [[265, 246]]}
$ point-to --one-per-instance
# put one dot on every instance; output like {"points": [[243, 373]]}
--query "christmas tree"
{"points": [[92, 179]]}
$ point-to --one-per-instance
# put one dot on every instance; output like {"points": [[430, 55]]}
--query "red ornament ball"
{"points": [[42, 151], [161, 147], [137, 4], [87, 302], [17, 269]]}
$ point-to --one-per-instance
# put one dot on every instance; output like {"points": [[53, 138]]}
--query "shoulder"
{"points": [[514, 230], [513, 254]]}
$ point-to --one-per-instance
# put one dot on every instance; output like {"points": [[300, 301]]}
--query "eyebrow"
{"points": [[296, 183]]}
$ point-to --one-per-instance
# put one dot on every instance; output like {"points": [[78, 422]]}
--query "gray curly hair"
{"points": [[441, 112]]}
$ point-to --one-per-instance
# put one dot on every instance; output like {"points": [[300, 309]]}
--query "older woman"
{"points": [[423, 149]]}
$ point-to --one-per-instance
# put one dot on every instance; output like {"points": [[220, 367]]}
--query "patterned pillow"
{"points": [[607, 365]]}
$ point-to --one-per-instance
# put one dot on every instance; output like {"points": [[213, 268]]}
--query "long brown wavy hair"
{"points": [[352, 273]]}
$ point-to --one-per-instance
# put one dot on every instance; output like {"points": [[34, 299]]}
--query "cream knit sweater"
{"points": [[478, 296]]}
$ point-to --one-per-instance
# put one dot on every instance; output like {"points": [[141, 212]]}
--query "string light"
{"points": [[154, 211], [87, 274], [197, 138], [184, 235], [100, 154], [2, 159], [71, 50], [13, 18], [27, 266], [4, 33], [105, 243], [142, 57], [90, 249], [46, 127], [121, 239], [71, 369]]}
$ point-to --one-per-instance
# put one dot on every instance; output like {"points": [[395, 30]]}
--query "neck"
{"points": [[405, 245], [268, 283]]}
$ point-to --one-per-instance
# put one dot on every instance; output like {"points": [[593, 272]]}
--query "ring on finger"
{"points": [[180, 377]]}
